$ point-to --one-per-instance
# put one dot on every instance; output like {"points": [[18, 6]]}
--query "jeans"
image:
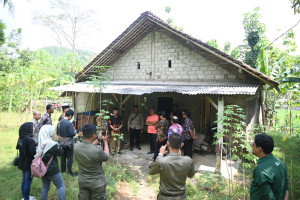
{"points": [[152, 139], [67, 155], [134, 133], [26, 183], [58, 181], [157, 146], [188, 147]]}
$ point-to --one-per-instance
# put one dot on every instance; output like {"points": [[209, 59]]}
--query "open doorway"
{"points": [[165, 103]]}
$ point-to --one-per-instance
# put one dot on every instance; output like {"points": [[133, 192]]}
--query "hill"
{"points": [[55, 51]]}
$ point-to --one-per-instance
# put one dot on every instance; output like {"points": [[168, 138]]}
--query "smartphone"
{"points": [[103, 133]]}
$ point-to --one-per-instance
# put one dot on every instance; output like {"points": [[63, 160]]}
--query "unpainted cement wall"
{"points": [[186, 65]]}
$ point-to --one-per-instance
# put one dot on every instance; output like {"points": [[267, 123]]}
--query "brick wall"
{"points": [[186, 65]]}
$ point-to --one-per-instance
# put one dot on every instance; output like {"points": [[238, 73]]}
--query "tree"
{"points": [[170, 19], [296, 6], [2, 34], [10, 5], [213, 43], [65, 23], [255, 38]]}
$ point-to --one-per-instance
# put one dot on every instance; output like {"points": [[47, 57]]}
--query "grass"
{"points": [[202, 186], [287, 149], [282, 114], [11, 176]]}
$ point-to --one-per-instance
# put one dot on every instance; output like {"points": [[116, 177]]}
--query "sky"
{"points": [[203, 19]]}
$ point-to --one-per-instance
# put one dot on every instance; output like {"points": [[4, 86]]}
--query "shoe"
{"points": [[63, 172], [30, 198], [74, 174], [119, 152], [131, 149], [139, 148], [150, 152]]}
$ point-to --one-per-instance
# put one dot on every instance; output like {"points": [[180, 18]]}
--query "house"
{"points": [[154, 64]]}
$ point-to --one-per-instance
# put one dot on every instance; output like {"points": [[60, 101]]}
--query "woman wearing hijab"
{"points": [[27, 148], [48, 148]]}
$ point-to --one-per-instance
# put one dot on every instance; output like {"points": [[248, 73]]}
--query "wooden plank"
{"points": [[212, 102], [207, 116], [220, 127], [116, 98], [125, 100]]}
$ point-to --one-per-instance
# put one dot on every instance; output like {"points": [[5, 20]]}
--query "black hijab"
{"points": [[26, 129]]}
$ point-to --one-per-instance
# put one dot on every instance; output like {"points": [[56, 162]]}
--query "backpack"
{"points": [[38, 168]]}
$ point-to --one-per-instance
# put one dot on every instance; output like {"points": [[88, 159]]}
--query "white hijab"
{"points": [[45, 137]]}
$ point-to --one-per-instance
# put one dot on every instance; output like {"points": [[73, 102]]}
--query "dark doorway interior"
{"points": [[165, 103]]}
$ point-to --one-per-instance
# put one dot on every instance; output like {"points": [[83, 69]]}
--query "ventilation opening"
{"points": [[138, 65], [170, 63]]}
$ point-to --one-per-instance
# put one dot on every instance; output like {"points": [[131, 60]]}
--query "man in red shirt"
{"points": [[151, 122]]}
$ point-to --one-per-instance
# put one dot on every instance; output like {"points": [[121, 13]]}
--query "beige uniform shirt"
{"points": [[173, 170], [89, 158], [137, 122]]}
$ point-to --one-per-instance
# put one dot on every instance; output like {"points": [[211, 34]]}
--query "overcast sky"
{"points": [[203, 19]]}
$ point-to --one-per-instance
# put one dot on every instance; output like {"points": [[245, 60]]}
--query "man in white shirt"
{"points": [[135, 127]]}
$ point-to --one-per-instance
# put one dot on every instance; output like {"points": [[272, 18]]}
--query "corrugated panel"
{"points": [[139, 88]]}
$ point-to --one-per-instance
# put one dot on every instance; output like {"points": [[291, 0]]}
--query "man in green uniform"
{"points": [[173, 170], [270, 180], [89, 156]]}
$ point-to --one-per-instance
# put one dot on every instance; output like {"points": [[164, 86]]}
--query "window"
{"points": [[138, 65], [170, 63]]}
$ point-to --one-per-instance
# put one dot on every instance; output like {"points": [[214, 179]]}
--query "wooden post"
{"points": [[220, 127]]}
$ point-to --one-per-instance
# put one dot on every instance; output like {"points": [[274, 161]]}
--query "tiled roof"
{"points": [[143, 25], [139, 88]]}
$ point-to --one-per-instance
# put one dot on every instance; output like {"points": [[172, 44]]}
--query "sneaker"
{"points": [[150, 152], [74, 174], [30, 198], [131, 149], [139, 148]]}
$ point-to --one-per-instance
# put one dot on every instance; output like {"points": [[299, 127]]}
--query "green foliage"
{"points": [[57, 52], [170, 19], [234, 135], [227, 46], [213, 43], [168, 9], [254, 37], [2, 34], [25, 76], [296, 6]]}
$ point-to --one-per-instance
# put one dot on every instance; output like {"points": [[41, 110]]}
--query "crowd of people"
{"points": [[169, 135]]}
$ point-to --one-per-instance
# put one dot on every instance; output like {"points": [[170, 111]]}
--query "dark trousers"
{"points": [[157, 146], [188, 147], [67, 155], [134, 133], [152, 139]]}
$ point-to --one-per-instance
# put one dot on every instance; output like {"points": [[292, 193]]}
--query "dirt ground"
{"points": [[139, 162]]}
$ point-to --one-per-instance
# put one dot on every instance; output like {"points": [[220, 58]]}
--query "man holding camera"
{"points": [[89, 156], [173, 170]]}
